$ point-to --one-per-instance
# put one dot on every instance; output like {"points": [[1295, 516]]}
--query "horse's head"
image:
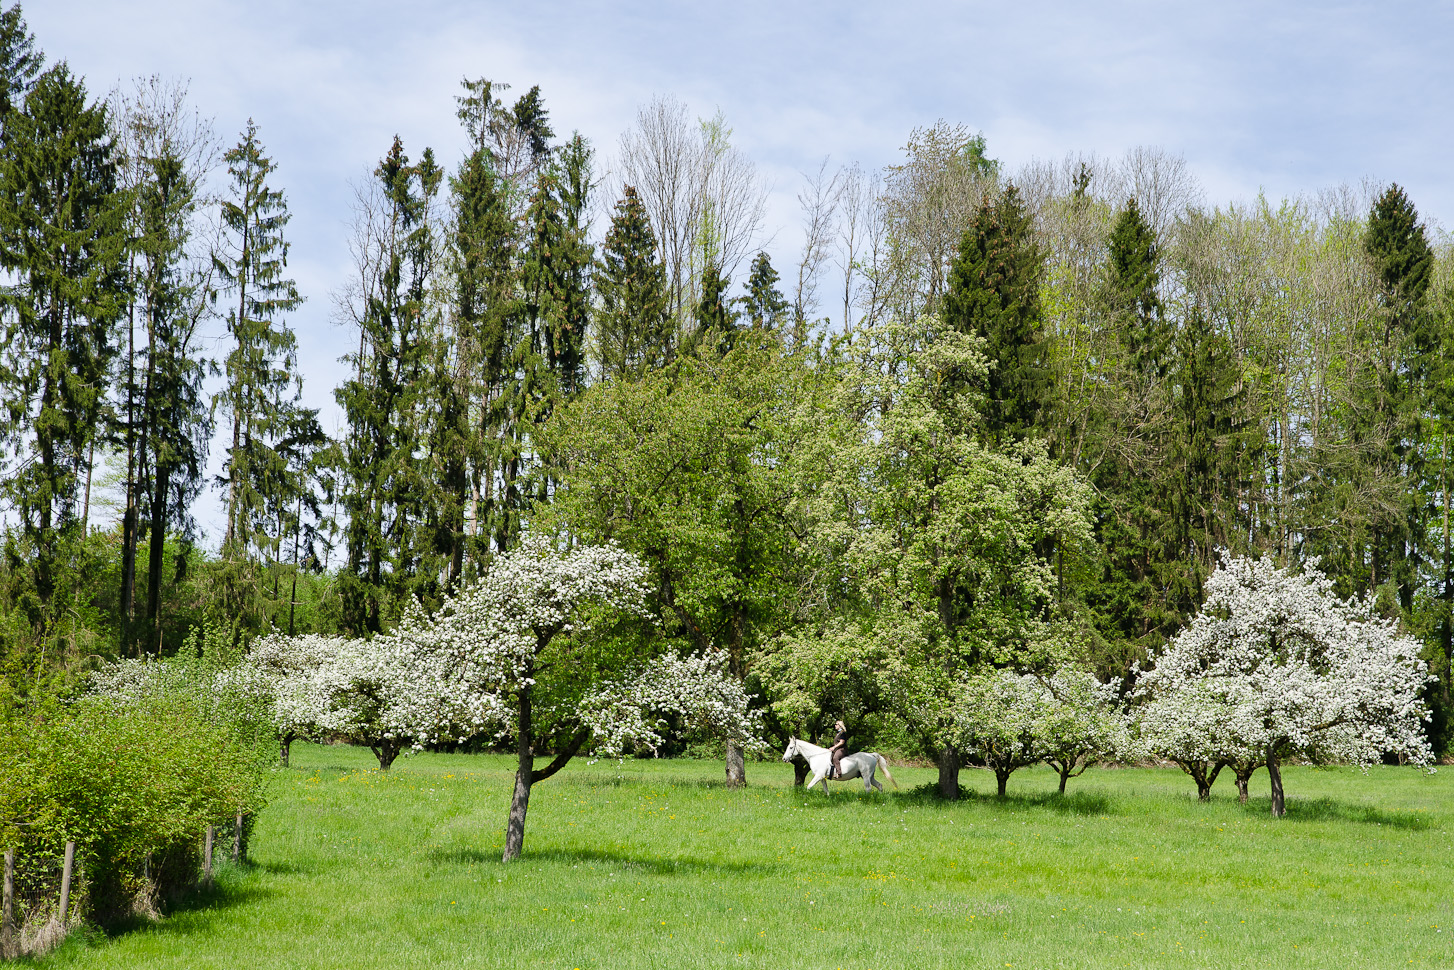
{"points": [[792, 750]]}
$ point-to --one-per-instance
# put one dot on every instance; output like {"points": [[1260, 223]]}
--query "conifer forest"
{"points": [[984, 419]]}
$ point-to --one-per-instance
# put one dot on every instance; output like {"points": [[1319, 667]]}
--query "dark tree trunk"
{"points": [[949, 772], [1205, 775], [128, 570], [736, 665], [285, 745], [1064, 776], [1002, 779], [1274, 774], [156, 552], [524, 777], [386, 750], [1244, 775], [800, 772]]}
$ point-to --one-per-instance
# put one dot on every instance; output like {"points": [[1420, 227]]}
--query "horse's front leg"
{"points": [[824, 780]]}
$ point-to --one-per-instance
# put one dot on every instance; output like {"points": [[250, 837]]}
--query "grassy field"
{"points": [[655, 864]]}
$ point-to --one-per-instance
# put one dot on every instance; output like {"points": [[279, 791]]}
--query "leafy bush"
{"points": [[132, 771]]}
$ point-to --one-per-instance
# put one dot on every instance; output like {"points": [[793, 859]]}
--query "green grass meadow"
{"points": [[657, 865]]}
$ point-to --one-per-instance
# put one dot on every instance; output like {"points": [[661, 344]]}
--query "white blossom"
{"points": [[699, 688], [1276, 658]]}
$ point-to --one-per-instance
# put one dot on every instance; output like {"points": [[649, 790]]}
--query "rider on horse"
{"points": [[839, 747]]}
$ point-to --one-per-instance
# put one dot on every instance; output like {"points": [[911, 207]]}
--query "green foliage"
{"points": [[994, 294], [633, 330], [133, 773], [673, 467], [268, 466], [385, 480], [764, 306], [62, 240]]}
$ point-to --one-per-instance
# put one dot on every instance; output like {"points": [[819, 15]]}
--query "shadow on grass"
{"points": [[1072, 803], [1329, 810], [616, 860], [628, 780], [227, 892]]}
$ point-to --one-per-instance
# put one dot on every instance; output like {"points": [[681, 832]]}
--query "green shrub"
{"points": [[133, 772]]}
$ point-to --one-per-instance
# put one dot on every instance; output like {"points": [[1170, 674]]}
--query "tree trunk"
{"points": [[949, 772], [736, 765], [524, 777], [156, 552], [800, 772], [285, 743], [1205, 775], [1274, 773], [1064, 777], [386, 750], [1002, 779], [1244, 776]]}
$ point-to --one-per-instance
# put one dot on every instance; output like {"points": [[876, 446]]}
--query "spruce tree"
{"points": [[386, 478], [1393, 387], [994, 293], [1139, 554], [716, 320], [261, 365], [764, 305], [174, 425], [633, 332], [571, 259], [484, 310], [20, 62], [63, 243]]}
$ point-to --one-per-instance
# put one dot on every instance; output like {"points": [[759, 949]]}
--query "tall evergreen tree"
{"points": [[261, 364], [487, 307], [20, 62], [633, 330], [175, 424], [1392, 391], [62, 242], [994, 292], [160, 420], [1211, 457], [571, 258], [764, 305], [716, 320], [386, 481]]}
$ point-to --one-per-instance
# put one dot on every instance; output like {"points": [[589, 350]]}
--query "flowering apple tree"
{"points": [[1080, 722], [1011, 721], [995, 719], [1276, 662], [700, 689]]}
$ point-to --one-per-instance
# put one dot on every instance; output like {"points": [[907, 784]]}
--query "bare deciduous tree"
{"points": [[702, 195], [820, 200]]}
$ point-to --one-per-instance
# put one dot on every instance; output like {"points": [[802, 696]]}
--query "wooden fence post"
{"points": [[237, 839], [207, 856], [7, 921], [66, 880]]}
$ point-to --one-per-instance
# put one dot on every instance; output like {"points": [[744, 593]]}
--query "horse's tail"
{"points": [[883, 766]]}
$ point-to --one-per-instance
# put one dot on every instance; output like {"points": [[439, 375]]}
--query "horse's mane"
{"points": [[812, 748]]}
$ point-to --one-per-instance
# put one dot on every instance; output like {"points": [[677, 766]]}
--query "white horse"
{"points": [[862, 764]]}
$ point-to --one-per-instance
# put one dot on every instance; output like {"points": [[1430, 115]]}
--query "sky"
{"points": [[1281, 98]]}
